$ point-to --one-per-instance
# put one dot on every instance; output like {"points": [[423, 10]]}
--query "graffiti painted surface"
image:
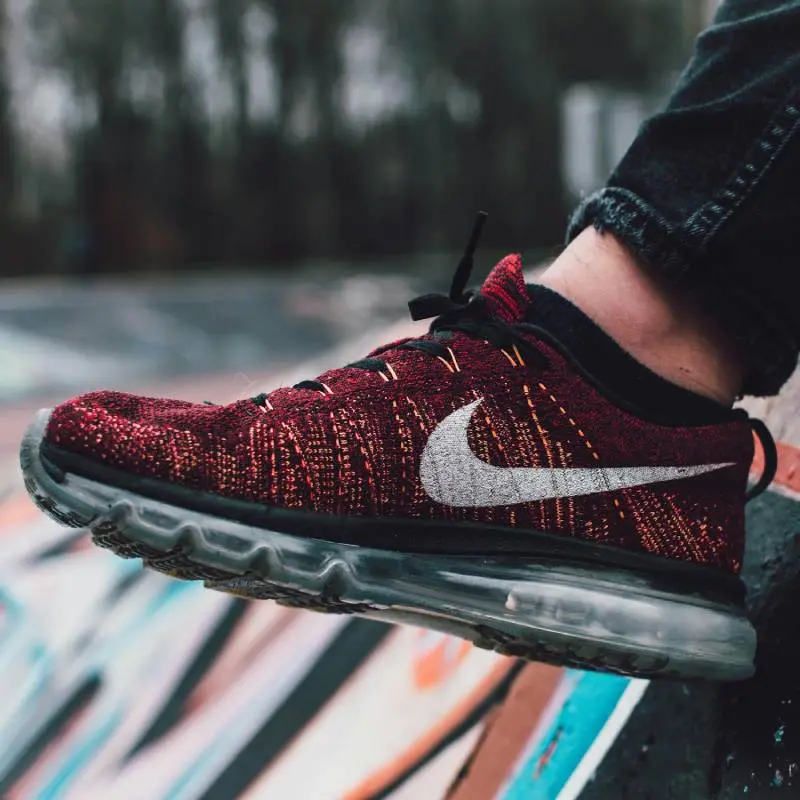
{"points": [[584, 718], [122, 683]]}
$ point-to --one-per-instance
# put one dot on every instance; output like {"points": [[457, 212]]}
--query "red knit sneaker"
{"points": [[513, 477]]}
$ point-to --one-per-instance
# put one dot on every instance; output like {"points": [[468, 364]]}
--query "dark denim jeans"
{"points": [[709, 193]]}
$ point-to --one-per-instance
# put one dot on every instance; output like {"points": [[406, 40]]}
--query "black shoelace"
{"points": [[459, 311]]}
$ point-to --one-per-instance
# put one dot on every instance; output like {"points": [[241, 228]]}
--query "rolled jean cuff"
{"points": [[636, 224], [769, 351]]}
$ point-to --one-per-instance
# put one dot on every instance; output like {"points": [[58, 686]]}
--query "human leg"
{"points": [[706, 200]]}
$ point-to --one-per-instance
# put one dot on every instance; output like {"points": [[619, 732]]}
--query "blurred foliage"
{"points": [[467, 116]]}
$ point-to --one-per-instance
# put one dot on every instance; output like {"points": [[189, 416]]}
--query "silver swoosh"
{"points": [[453, 475]]}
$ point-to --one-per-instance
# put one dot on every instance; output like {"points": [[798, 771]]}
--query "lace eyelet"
{"points": [[509, 357], [446, 363], [456, 367]]}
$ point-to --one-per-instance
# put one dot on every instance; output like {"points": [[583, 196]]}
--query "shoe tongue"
{"points": [[505, 290]]}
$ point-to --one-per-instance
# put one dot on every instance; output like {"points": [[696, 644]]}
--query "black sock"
{"points": [[614, 371]]}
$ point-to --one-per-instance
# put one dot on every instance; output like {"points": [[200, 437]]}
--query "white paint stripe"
{"points": [[585, 771]]}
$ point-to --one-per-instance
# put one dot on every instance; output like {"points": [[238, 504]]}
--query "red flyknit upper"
{"points": [[356, 447]]}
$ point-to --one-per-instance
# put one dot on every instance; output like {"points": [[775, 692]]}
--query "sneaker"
{"points": [[513, 477]]}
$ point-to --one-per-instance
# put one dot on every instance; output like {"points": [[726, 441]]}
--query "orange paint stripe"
{"points": [[433, 668], [17, 510], [385, 776], [788, 474]]}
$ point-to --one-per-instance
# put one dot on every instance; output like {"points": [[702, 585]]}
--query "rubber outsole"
{"points": [[588, 617]]}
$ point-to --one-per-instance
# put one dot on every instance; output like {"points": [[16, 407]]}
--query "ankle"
{"points": [[656, 323]]}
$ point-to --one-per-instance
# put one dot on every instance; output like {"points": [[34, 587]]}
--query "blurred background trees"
{"points": [[164, 134]]}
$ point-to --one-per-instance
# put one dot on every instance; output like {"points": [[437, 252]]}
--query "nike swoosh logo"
{"points": [[453, 475]]}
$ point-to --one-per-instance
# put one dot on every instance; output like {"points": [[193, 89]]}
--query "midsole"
{"points": [[467, 540]]}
